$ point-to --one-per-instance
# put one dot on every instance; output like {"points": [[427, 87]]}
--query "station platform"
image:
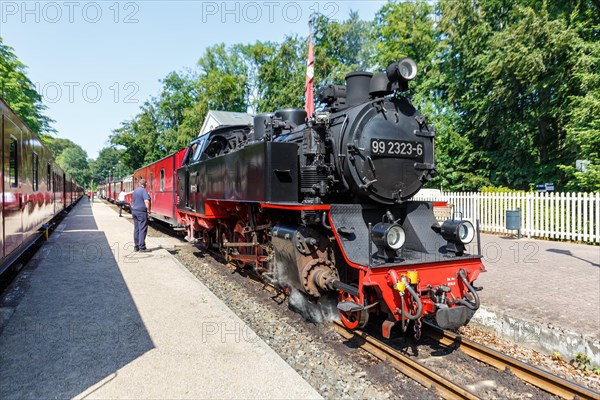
{"points": [[88, 317], [542, 294]]}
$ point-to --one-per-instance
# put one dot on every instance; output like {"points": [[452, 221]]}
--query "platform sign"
{"points": [[544, 187]]}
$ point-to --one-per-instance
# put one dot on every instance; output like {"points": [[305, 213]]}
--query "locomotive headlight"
{"points": [[390, 236], [407, 68], [458, 231]]}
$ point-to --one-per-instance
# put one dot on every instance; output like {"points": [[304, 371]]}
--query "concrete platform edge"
{"points": [[539, 336]]}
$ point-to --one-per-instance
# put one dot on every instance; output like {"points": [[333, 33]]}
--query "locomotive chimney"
{"points": [[357, 87]]}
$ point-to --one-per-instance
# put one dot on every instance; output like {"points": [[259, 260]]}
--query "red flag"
{"points": [[310, 73]]}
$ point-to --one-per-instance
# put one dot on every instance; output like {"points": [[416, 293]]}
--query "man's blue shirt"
{"points": [[139, 195]]}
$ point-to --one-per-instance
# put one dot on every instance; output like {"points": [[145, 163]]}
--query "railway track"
{"points": [[447, 389], [528, 373], [414, 370]]}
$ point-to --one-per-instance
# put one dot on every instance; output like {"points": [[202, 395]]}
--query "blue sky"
{"points": [[96, 62]]}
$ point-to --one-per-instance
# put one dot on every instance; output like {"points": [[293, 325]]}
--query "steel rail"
{"points": [[418, 372], [537, 377]]}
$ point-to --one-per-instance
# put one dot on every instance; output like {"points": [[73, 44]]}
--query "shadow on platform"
{"points": [[570, 254], [75, 323]]}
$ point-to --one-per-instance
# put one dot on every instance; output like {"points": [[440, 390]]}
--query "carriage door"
{"points": [[11, 201], [64, 190]]}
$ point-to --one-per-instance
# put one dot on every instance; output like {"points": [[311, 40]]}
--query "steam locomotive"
{"points": [[322, 204]]}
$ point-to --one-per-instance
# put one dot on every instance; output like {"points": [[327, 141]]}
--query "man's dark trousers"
{"points": [[140, 228]]}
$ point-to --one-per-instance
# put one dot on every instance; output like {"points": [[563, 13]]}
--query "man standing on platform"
{"points": [[140, 208], [121, 202]]}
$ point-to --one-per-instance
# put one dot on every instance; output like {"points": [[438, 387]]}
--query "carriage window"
{"points": [[162, 179], [35, 172], [151, 181], [13, 167], [48, 177]]}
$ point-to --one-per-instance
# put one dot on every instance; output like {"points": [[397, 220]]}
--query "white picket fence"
{"points": [[567, 216]]}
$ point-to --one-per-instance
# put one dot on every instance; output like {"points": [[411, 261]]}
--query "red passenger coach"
{"points": [[34, 188], [161, 178]]}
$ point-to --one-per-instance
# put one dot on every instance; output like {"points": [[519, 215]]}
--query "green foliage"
{"points": [[406, 29], [57, 145], [20, 93], [582, 361], [139, 138], [73, 160], [281, 74], [499, 189], [340, 48], [512, 72], [108, 164], [222, 84], [179, 93]]}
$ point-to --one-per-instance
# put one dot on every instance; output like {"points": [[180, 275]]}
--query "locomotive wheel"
{"points": [[206, 239], [356, 319], [240, 237]]}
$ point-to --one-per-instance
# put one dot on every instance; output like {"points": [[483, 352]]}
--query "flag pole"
{"points": [[309, 105]]}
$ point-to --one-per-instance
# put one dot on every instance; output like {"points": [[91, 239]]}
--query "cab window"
{"points": [[198, 148]]}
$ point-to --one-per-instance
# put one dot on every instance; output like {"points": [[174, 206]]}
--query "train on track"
{"points": [[34, 188], [322, 203]]}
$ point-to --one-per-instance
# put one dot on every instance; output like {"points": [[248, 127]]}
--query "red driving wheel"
{"points": [[353, 319]]}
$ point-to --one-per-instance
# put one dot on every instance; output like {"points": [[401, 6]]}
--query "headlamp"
{"points": [[407, 68], [388, 238], [457, 233], [403, 70]]}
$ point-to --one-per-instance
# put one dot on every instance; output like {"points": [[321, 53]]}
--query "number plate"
{"points": [[396, 148]]}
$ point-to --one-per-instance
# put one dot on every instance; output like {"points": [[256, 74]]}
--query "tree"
{"points": [[139, 137], [281, 75], [107, 164], [341, 48], [179, 93], [510, 69], [583, 125], [222, 85], [73, 160], [20, 93], [57, 145], [406, 29]]}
